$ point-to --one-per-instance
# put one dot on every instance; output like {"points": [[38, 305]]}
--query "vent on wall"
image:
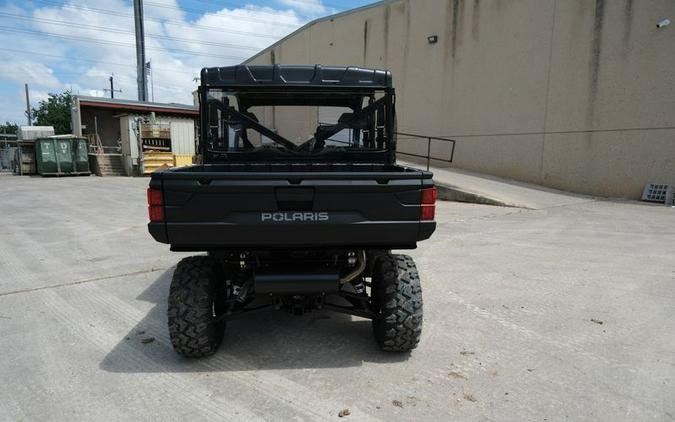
{"points": [[654, 192]]}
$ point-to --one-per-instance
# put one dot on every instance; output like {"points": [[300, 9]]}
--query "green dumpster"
{"points": [[45, 156], [81, 156], [64, 155], [60, 156]]}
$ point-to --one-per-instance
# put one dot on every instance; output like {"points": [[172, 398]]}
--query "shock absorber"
{"points": [[358, 260]]}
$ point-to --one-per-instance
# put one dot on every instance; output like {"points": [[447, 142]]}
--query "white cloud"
{"points": [[309, 7], [27, 71], [56, 62], [163, 9], [37, 95]]}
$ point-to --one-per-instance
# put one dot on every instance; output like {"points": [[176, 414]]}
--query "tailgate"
{"points": [[206, 211]]}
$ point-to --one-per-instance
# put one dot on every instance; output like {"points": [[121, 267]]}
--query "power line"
{"points": [[308, 2], [225, 4], [162, 21], [117, 43], [35, 53], [118, 14], [203, 11], [120, 31], [160, 87], [54, 73]]}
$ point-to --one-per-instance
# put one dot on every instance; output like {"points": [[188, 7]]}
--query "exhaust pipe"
{"points": [[297, 283]]}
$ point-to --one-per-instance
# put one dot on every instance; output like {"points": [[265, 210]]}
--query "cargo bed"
{"points": [[298, 205]]}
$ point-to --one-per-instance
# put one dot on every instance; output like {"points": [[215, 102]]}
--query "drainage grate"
{"points": [[656, 193]]}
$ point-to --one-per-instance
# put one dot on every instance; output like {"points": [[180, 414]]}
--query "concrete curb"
{"points": [[453, 193]]}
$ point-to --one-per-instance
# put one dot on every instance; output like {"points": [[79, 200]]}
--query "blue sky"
{"points": [[54, 45]]}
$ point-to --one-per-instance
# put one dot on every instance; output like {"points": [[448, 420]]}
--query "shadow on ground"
{"points": [[265, 340]]}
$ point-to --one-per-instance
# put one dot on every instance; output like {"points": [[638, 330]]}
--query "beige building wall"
{"points": [[572, 94]]}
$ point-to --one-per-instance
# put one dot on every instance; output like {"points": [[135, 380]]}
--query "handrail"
{"points": [[416, 136], [429, 139]]}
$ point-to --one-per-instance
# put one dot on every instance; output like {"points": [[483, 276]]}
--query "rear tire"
{"points": [[197, 290], [397, 299]]}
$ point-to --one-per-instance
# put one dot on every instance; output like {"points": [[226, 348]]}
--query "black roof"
{"points": [[311, 76]]}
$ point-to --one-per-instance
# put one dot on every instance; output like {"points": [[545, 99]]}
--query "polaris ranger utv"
{"points": [[289, 222]]}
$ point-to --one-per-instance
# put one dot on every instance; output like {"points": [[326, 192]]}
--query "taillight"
{"points": [[155, 205], [156, 214], [428, 209], [429, 196]]}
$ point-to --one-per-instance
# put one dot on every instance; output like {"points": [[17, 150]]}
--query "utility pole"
{"points": [[142, 76], [28, 113], [112, 88]]}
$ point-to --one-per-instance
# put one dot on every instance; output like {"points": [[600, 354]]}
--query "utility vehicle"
{"points": [[298, 204]]}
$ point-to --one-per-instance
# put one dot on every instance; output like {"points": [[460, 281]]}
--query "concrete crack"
{"points": [[75, 283]]}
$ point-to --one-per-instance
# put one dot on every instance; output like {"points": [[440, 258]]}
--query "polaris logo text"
{"points": [[280, 217]]}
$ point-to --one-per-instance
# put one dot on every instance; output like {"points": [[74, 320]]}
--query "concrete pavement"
{"points": [[467, 186], [559, 313]]}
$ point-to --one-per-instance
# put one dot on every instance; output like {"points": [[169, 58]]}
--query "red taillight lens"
{"points": [[429, 196], [156, 213], [428, 212], [155, 206], [154, 197], [428, 209]]}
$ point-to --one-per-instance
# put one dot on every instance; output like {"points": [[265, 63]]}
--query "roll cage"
{"points": [[228, 94]]}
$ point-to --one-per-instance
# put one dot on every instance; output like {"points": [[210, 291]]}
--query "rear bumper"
{"points": [[158, 232], [211, 236]]}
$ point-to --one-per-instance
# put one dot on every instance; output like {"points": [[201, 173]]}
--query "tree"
{"points": [[9, 128], [55, 111]]}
